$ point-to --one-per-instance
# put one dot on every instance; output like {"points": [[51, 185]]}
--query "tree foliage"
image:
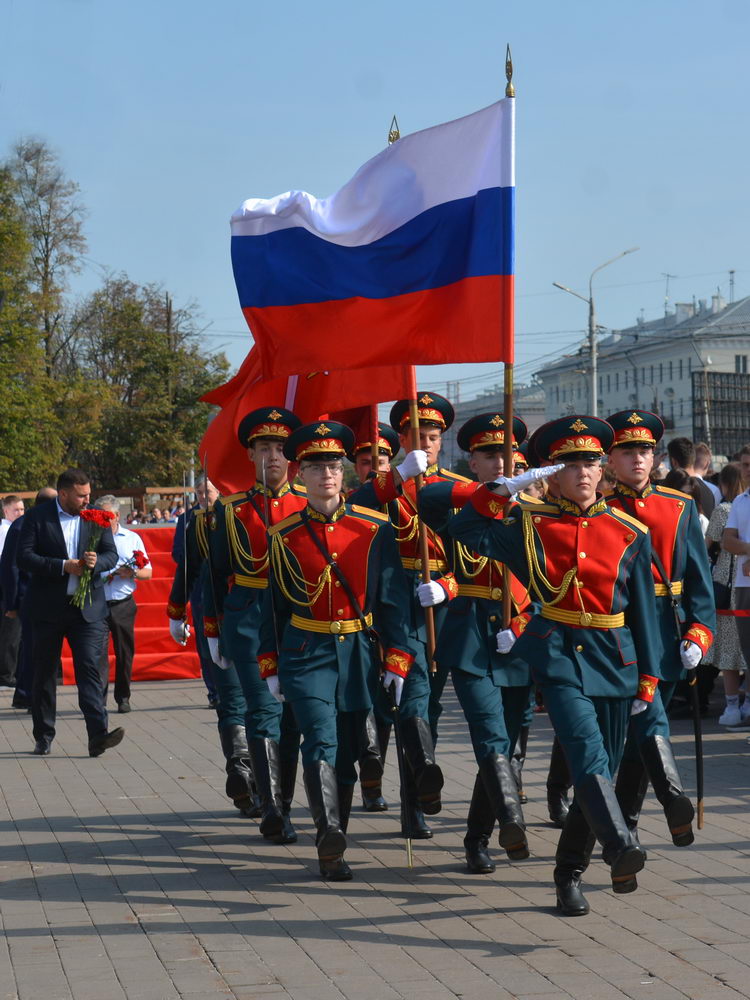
{"points": [[110, 382]]}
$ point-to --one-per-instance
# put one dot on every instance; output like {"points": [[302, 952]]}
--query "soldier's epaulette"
{"points": [[658, 488], [233, 498], [288, 522], [369, 512], [298, 489], [538, 506], [453, 476], [528, 498], [622, 515]]}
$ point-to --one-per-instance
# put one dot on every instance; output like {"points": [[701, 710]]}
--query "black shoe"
{"points": [[420, 755], [659, 761], [213, 701], [502, 792], [571, 902], [335, 870], [123, 707], [20, 701], [42, 748], [106, 741], [417, 828], [557, 806], [373, 801], [596, 797], [478, 860], [264, 755], [323, 795]]}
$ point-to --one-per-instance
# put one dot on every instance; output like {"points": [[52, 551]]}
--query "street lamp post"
{"points": [[593, 351]]}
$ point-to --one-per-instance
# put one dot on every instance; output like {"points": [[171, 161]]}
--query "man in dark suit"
{"points": [[54, 548]]}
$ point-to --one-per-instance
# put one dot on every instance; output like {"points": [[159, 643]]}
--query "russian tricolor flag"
{"points": [[411, 262]]}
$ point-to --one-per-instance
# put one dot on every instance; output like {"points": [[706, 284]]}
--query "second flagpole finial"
{"points": [[510, 90], [394, 132]]}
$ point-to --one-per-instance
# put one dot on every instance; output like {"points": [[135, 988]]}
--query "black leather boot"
{"points": [[662, 770], [630, 788], [346, 795], [479, 825], [500, 786], [518, 760], [287, 782], [264, 754], [558, 783], [371, 762], [625, 858], [323, 796], [416, 828], [420, 756], [240, 786], [571, 860]]}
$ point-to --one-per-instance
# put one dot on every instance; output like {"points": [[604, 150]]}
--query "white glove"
{"points": [[505, 640], [514, 484], [221, 661], [414, 463], [179, 630], [389, 678], [691, 654], [430, 594], [638, 706], [274, 687]]}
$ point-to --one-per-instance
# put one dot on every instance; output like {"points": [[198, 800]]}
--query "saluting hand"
{"points": [[507, 486]]}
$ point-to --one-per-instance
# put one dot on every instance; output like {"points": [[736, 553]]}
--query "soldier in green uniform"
{"points": [[233, 604], [338, 591], [492, 686], [685, 610], [589, 567]]}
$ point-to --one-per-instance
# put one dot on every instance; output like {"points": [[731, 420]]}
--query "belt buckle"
{"points": [[417, 563], [586, 618], [335, 627]]}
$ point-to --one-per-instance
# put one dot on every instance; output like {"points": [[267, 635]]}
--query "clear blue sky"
{"points": [[631, 130]]}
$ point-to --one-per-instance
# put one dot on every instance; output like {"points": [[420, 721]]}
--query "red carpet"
{"points": [[157, 656]]}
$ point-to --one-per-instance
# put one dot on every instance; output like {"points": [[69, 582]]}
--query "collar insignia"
{"points": [[315, 515], [628, 491]]}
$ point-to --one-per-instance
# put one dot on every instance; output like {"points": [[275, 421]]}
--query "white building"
{"points": [[667, 366]]}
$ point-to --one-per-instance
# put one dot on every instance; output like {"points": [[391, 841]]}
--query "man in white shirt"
{"points": [[10, 628], [119, 587]]}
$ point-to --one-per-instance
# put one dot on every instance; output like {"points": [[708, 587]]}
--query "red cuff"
{"points": [[385, 487], [647, 687], [449, 585], [176, 612], [488, 502], [700, 636], [210, 627], [398, 662], [268, 664], [519, 623], [462, 493]]}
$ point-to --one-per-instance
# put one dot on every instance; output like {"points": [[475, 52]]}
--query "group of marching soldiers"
{"points": [[315, 613]]}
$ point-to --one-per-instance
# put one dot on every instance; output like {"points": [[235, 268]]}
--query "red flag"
{"points": [[309, 396]]}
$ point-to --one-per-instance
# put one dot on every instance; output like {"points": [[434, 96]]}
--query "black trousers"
{"points": [[86, 640], [10, 642], [121, 623]]}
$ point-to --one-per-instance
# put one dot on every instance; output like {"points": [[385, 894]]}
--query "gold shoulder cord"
{"points": [[281, 564], [537, 578], [201, 535], [240, 555], [409, 530], [469, 563]]}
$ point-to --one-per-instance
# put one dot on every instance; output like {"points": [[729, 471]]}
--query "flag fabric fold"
{"points": [[410, 261]]}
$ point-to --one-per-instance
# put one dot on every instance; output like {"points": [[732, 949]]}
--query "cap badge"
{"points": [[274, 415], [322, 430], [635, 419], [426, 400], [497, 420], [578, 426]]}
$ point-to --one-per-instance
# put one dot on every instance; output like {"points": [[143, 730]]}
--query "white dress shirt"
{"points": [[4, 525], [127, 543], [71, 529]]}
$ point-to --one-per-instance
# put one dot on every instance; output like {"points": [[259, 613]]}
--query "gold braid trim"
{"points": [[241, 557], [409, 530], [537, 578], [281, 564], [201, 535], [468, 563]]}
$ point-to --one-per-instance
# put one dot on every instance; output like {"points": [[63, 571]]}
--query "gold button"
{"points": [[337, 583], [340, 611], [341, 638], [579, 649], [680, 503], [581, 555], [286, 541], [629, 538], [330, 527], [373, 527], [496, 594], [334, 555], [276, 503], [584, 524], [537, 520], [641, 503], [335, 627], [579, 584], [493, 618]]}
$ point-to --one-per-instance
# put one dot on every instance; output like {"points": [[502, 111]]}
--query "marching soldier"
{"points": [[421, 707], [492, 685], [233, 599], [190, 576], [589, 566], [685, 610], [338, 592]]}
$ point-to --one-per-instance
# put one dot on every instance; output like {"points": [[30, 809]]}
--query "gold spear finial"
{"points": [[510, 90], [394, 132]]}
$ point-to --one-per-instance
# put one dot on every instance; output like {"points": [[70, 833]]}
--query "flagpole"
{"points": [[374, 435], [394, 133], [510, 92]]}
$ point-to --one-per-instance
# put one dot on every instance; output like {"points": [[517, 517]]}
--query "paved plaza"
{"points": [[131, 876]]}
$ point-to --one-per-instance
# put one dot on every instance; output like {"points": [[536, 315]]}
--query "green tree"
{"points": [[30, 450]]}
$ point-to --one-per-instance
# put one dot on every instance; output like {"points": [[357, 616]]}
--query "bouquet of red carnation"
{"points": [[100, 521], [137, 561]]}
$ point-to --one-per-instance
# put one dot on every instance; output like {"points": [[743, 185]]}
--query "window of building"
{"points": [[690, 367], [617, 381], [600, 384], [661, 372], [643, 376], [626, 379], [609, 383], [565, 394], [652, 374], [670, 371], [557, 393], [682, 406], [740, 364], [680, 369]]}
